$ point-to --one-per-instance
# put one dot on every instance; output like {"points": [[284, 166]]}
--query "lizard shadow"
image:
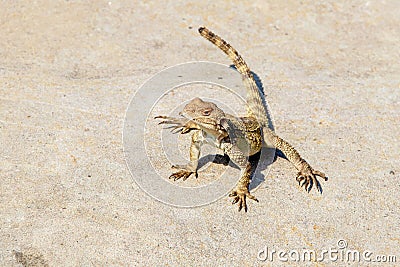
{"points": [[258, 165]]}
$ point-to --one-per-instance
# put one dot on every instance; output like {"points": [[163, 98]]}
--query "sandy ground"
{"points": [[68, 70]]}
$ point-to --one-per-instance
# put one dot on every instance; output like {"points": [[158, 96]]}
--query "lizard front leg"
{"points": [[177, 125], [241, 190], [190, 168], [306, 176]]}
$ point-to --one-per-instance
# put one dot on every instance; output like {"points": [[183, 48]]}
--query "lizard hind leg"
{"points": [[241, 191], [239, 195]]}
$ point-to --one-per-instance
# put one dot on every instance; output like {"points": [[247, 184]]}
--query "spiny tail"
{"points": [[237, 59], [255, 100]]}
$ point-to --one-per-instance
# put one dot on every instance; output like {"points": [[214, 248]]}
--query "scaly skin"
{"points": [[256, 102], [239, 138]]}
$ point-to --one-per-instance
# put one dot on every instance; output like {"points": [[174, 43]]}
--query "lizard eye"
{"points": [[206, 112]]}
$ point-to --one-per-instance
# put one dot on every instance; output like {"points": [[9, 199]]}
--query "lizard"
{"points": [[238, 137]]}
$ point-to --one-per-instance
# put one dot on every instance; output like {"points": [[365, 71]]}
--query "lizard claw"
{"points": [[308, 178], [239, 196], [175, 124], [184, 174]]}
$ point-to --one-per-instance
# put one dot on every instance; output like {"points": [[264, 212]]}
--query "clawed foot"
{"points": [[239, 196], [175, 124], [308, 177], [184, 173]]}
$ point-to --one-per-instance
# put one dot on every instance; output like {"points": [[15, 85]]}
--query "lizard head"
{"points": [[206, 114]]}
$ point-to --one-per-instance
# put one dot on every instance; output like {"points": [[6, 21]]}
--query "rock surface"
{"points": [[68, 70]]}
